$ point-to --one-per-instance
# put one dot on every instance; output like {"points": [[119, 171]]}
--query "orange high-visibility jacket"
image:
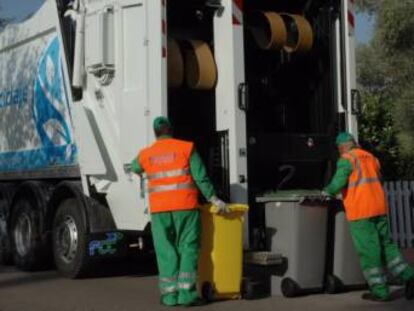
{"points": [[364, 197], [170, 185]]}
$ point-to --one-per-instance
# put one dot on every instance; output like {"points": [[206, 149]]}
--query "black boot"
{"points": [[409, 289], [372, 297]]}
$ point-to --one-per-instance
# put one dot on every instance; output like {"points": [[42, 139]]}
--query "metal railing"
{"points": [[400, 196]]}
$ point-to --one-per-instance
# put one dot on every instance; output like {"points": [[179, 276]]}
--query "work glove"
{"points": [[325, 196], [222, 207]]}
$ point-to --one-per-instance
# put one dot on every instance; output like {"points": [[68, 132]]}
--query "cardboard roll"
{"points": [[269, 30], [175, 63], [300, 33], [200, 66]]}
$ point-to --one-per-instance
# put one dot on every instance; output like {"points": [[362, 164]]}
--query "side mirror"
{"points": [[356, 103]]}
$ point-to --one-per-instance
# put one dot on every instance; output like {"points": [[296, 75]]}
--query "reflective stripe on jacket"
{"points": [[364, 196], [170, 185]]}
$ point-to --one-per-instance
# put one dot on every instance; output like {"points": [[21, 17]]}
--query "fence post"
{"points": [[391, 194], [400, 215], [407, 215]]}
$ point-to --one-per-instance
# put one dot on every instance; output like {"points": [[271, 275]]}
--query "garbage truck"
{"points": [[261, 87]]}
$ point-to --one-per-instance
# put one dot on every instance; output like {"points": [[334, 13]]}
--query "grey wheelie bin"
{"points": [[298, 232], [343, 272]]}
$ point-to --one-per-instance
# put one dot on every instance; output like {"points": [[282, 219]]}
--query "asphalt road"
{"points": [[130, 286]]}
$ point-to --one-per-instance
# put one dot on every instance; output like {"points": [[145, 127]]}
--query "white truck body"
{"points": [[40, 116], [36, 127]]}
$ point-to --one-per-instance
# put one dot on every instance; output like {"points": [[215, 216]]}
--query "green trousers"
{"points": [[176, 238], [376, 249]]}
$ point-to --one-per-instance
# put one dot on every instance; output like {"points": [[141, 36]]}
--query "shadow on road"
{"points": [[28, 278], [397, 294], [133, 267]]}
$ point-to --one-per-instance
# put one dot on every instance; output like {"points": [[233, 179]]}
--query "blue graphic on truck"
{"points": [[106, 246], [51, 116], [50, 99]]}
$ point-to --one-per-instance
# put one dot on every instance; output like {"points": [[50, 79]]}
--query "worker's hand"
{"points": [[325, 196], [128, 168], [222, 207]]}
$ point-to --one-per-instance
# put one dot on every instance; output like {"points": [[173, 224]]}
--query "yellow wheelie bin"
{"points": [[221, 256]]}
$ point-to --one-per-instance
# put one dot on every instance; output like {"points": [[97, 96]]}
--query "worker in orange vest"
{"points": [[358, 176], [175, 174]]}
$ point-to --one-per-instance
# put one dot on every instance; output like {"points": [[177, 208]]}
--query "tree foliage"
{"points": [[370, 6], [404, 113], [380, 133], [395, 26], [371, 70], [386, 76]]}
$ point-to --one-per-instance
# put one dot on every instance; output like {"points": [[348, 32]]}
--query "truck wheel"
{"points": [[6, 255], [69, 240], [28, 249]]}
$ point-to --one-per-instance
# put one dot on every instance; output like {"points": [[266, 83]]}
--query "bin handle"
{"points": [[243, 96], [234, 207]]}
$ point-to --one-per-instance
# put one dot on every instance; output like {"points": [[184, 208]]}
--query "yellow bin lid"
{"points": [[234, 207]]}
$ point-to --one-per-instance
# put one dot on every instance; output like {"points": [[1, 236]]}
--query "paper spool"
{"points": [[200, 66], [175, 63], [269, 30], [300, 33]]}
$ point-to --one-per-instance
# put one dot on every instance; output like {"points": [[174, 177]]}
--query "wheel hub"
{"points": [[3, 225], [23, 234], [67, 239]]}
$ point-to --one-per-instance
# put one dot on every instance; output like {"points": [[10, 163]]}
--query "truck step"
{"points": [[263, 258]]}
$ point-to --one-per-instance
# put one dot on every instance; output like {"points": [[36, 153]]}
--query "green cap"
{"points": [[160, 122], [343, 138]]}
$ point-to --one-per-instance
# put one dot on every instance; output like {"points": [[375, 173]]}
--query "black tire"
{"points": [[289, 288], [6, 255], [29, 250], [207, 291], [333, 285], [71, 259]]}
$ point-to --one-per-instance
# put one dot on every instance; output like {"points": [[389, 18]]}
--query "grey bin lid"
{"points": [[287, 195]]}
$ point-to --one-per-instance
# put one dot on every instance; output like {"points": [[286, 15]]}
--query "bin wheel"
{"points": [[248, 291], [333, 285], [207, 291], [289, 288]]}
